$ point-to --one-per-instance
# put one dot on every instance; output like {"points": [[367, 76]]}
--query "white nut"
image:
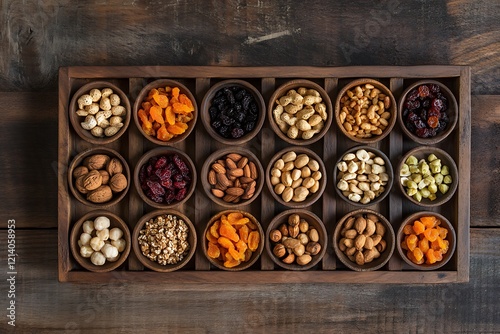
{"points": [[111, 131], [105, 103], [115, 233], [88, 226], [97, 132], [92, 109], [95, 94], [118, 110], [114, 99], [116, 121], [109, 251], [84, 100], [101, 222], [90, 123], [120, 244], [106, 92], [98, 259], [82, 112], [85, 239], [362, 155], [86, 251]]}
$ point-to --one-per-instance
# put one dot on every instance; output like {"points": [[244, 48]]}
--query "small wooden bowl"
{"points": [[295, 84], [451, 237], [244, 265], [392, 109], [311, 199], [207, 103], [77, 230], [423, 152], [389, 172], [376, 263], [159, 151], [78, 160], [144, 93], [314, 221], [76, 120], [221, 154], [192, 239], [452, 112]]}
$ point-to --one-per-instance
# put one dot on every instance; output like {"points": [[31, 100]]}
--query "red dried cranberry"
{"points": [[180, 184], [181, 194], [161, 162]]}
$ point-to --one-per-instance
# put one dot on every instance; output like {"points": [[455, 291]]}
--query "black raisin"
{"points": [[237, 132], [249, 127]]}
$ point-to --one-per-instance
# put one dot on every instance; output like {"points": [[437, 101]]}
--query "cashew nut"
{"points": [[90, 123]]}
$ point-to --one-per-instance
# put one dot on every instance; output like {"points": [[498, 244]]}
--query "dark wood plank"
{"points": [[39, 37], [455, 307]]}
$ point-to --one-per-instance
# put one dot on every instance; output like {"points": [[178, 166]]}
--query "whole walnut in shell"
{"points": [[118, 182], [92, 180], [96, 161], [114, 167], [100, 195]]}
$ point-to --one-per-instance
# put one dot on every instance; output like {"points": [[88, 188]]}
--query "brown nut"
{"points": [[313, 248], [313, 235], [100, 195], [96, 161], [382, 245], [219, 168], [289, 259], [293, 219], [370, 227], [92, 180], [275, 235], [379, 229], [279, 250], [118, 182], [79, 171], [303, 238], [293, 231], [79, 185], [303, 226], [359, 242], [291, 243], [304, 259], [212, 178], [105, 176], [360, 258], [360, 224], [350, 234], [299, 250], [284, 230], [114, 167]]}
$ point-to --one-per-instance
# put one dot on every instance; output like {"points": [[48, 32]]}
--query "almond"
{"points": [[218, 193], [229, 198], [237, 183], [243, 162], [249, 191], [246, 171], [245, 179], [253, 170], [223, 181], [219, 168], [212, 179], [235, 191], [237, 172], [234, 156], [231, 164]]}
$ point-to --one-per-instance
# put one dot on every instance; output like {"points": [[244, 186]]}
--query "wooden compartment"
{"points": [[329, 208]]}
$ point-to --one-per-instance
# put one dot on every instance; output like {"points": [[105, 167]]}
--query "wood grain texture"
{"points": [[46, 306], [41, 36]]}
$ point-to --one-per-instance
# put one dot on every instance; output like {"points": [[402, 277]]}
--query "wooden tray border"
{"points": [[395, 76]]}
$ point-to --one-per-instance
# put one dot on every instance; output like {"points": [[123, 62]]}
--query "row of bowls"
{"points": [[393, 240], [419, 153], [294, 84]]}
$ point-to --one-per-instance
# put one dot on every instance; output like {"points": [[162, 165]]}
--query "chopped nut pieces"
{"points": [[164, 239]]}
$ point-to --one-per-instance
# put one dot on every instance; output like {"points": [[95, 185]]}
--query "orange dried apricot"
{"points": [[408, 229], [211, 238], [418, 254], [429, 221], [243, 232], [233, 217], [225, 242], [443, 232], [423, 245], [228, 231], [411, 242], [431, 257], [431, 234], [230, 261], [214, 229], [253, 240], [418, 227], [165, 106], [213, 250]]}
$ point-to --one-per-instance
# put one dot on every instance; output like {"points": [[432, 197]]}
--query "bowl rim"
{"points": [[384, 89], [371, 266], [156, 266], [161, 83], [309, 200], [256, 255], [310, 216], [452, 105], [389, 171], [164, 150], [292, 84], [441, 199], [76, 230], [85, 134], [77, 161], [451, 233], [207, 102], [223, 152]]}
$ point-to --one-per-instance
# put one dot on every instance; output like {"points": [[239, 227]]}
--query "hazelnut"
{"points": [[118, 182], [279, 250], [303, 226], [275, 235]]}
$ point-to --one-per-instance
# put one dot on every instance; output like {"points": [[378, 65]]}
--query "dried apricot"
{"points": [[443, 232], [156, 114], [431, 257], [233, 217], [214, 229], [228, 231], [243, 232], [418, 227], [230, 261], [423, 245], [211, 238], [169, 115], [411, 242], [408, 229], [161, 100], [225, 242], [429, 221], [418, 254], [431, 234], [253, 240], [213, 250]]}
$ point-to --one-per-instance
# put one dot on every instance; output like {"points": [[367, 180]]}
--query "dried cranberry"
{"points": [[178, 178], [142, 174], [423, 132], [437, 104], [149, 170], [434, 88], [163, 173], [181, 165], [181, 194], [180, 184], [155, 188], [161, 162], [167, 183], [169, 197]]}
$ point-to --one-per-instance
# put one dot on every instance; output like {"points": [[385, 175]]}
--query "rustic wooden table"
{"points": [[39, 37]]}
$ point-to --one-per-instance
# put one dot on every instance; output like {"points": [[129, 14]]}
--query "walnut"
{"points": [[79, 171], [79, 185], [118, 182], [100, 195], [114, 167], [105, 176], [92, 180], [96, 161]]}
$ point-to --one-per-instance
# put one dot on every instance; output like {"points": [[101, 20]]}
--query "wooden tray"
{"points": [[330, 208]]}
